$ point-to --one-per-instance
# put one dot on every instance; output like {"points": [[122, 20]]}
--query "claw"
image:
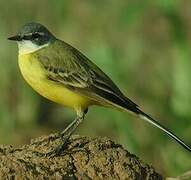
{"points": [[59, 149], [64, 136]]}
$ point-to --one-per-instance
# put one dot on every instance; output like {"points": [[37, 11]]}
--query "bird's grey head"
{"points": [[32, 37]]}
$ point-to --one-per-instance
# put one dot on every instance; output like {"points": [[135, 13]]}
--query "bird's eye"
{"points": [[32, 36], [35, 35]]}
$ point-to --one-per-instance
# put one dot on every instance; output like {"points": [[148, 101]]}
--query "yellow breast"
{"points": [[35, 76]]}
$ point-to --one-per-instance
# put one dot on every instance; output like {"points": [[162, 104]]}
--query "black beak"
{"points": [[15, 38]]}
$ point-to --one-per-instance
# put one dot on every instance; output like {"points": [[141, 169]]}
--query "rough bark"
{"points": [[83, 158]]}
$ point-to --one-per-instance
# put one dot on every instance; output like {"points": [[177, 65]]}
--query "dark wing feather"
{"points": [[76, 72]]}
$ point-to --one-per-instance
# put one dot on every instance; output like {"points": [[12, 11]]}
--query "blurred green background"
{"points": [[144, 46]]}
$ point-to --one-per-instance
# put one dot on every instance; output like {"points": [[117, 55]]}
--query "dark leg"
{"points": [[68, 131], [65, 135], [71, 128]]}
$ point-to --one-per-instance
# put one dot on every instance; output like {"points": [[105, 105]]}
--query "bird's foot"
{"points": [[59, 148]]}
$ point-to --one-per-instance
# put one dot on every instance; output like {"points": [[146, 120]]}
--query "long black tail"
{"points": [[152, 121], [118, 100]]}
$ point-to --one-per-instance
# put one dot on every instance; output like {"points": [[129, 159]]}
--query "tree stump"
{"points": [[83, 158]]}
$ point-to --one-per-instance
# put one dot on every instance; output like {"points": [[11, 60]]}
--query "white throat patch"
{"points": [[26, 46]]}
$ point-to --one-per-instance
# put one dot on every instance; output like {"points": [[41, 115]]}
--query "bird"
{"points": [[62, 74]]}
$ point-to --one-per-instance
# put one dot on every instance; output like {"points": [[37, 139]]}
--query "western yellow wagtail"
{"points": [[62, 74]]}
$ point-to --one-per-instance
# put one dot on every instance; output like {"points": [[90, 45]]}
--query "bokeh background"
{"points": [[144, 46]]}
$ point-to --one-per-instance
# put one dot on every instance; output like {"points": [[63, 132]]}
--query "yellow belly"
{"points": [[34, 74]]}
